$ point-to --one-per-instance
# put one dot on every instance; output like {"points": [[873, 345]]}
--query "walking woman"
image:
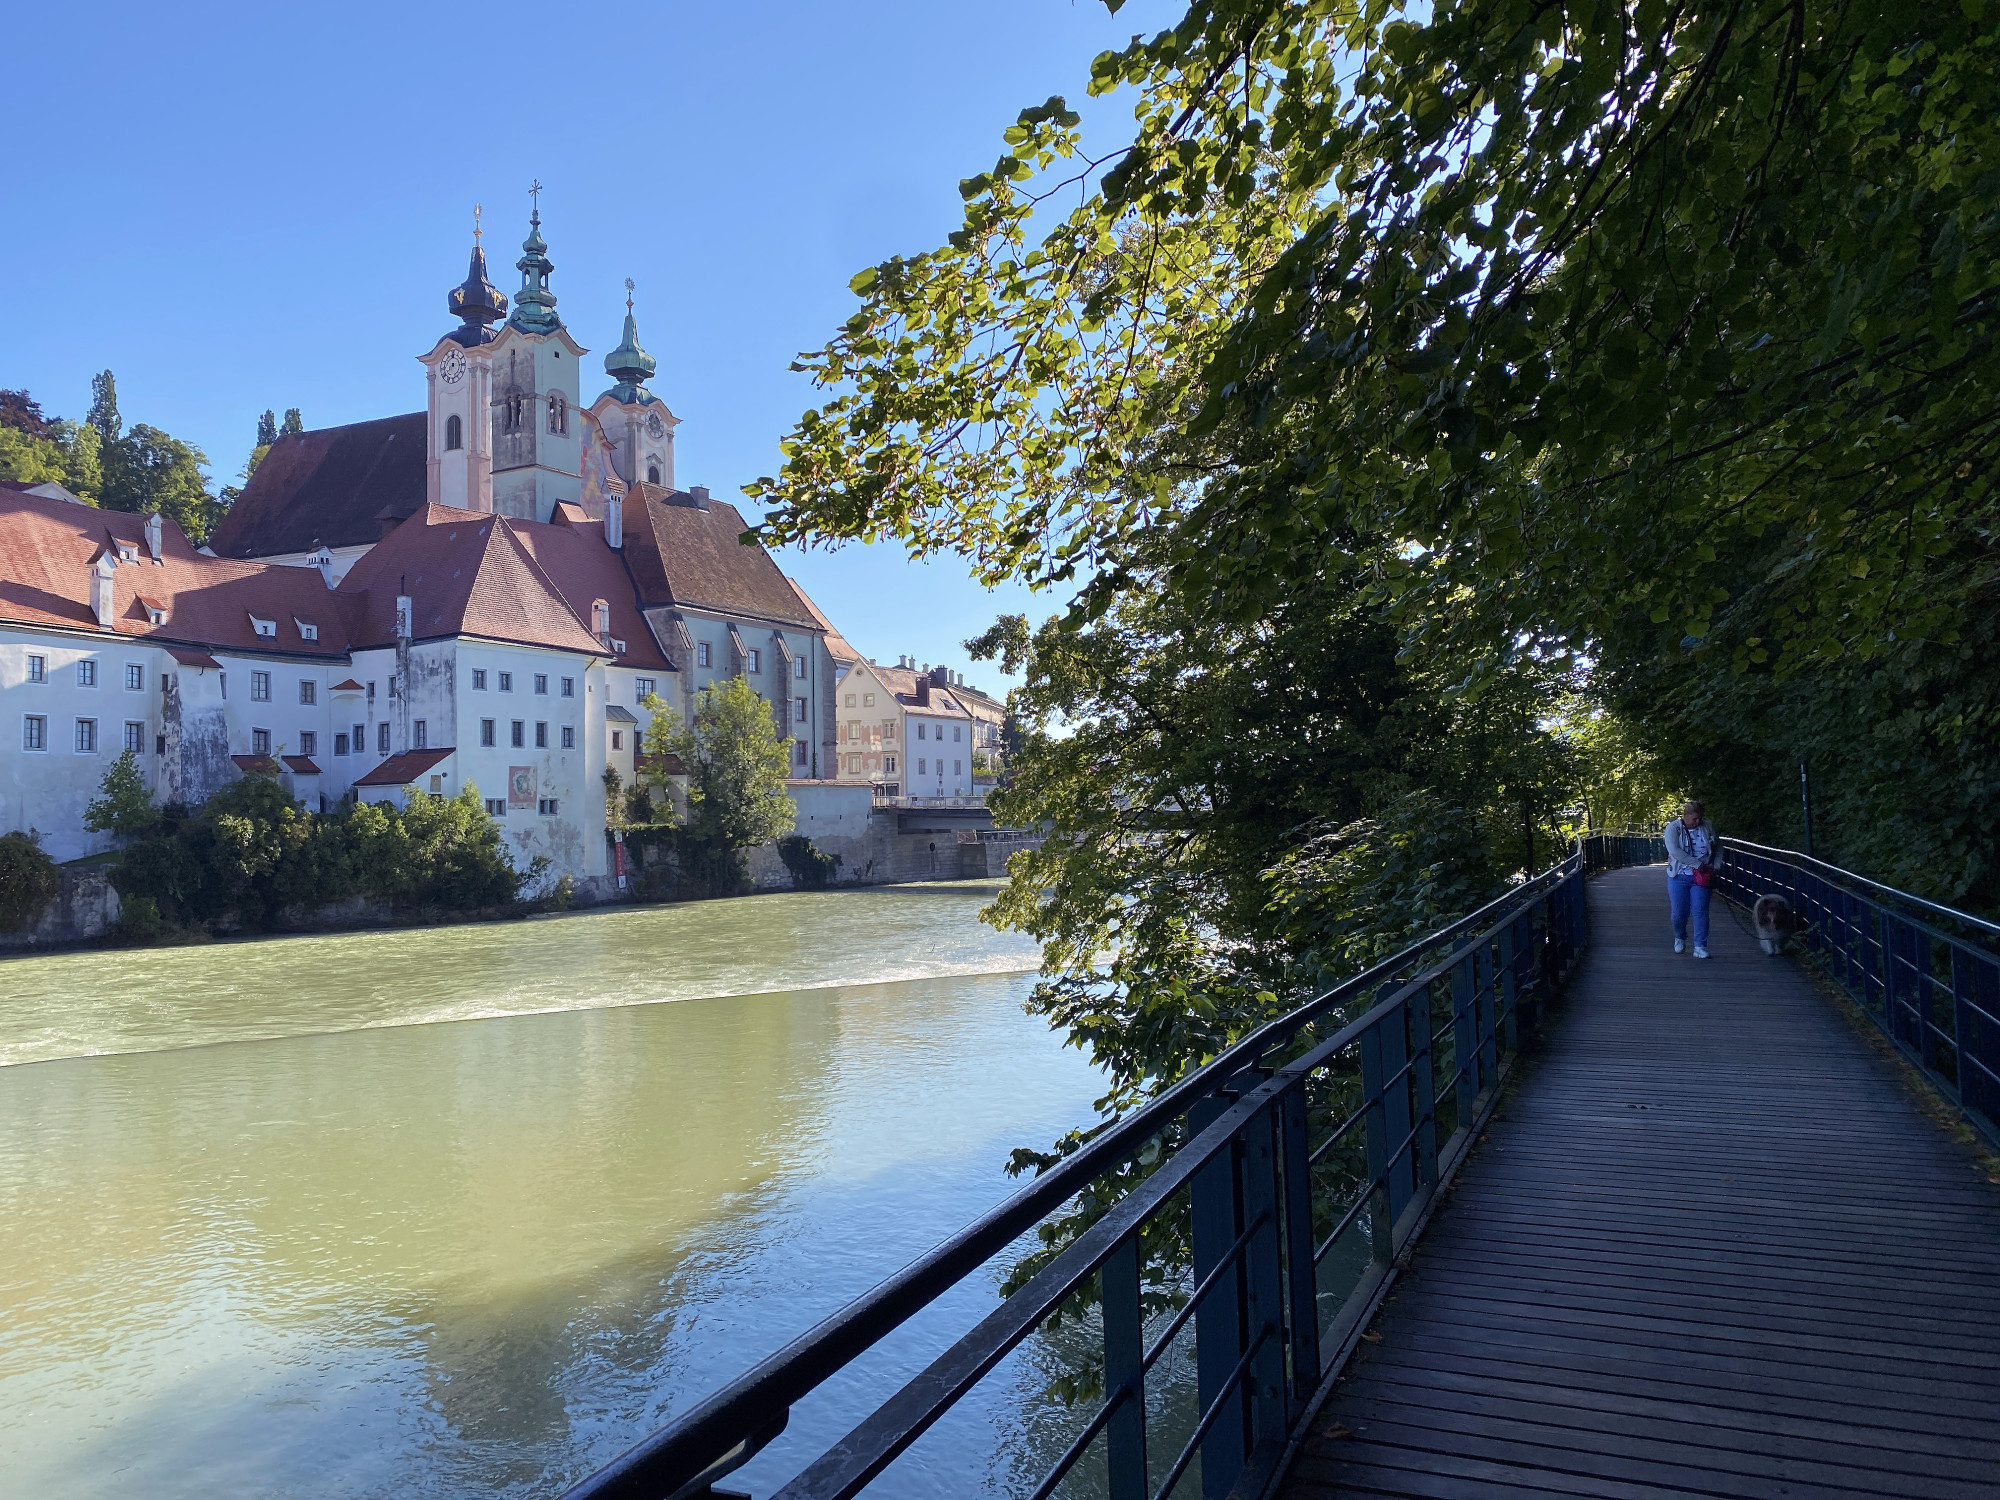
{"points": [[1692, 853]]}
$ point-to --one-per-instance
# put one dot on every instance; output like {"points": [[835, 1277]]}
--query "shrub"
{"points": [[811, 870], [124, 806], [29, 881]]}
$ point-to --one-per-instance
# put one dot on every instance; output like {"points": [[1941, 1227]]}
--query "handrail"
{"points": [[676, 1456], [1848, 877]]}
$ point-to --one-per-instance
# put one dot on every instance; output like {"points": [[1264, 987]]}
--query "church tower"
{"points": [[459, 471], [635, 422], [537, 376]]}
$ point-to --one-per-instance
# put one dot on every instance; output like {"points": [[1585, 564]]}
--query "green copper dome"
{"points": [[535, 304], [630, 365]]}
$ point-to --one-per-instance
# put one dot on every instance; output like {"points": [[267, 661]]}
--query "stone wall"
{"points": [[85, 908]]}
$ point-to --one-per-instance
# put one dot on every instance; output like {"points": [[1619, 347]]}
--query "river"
{"points": [[466, 1210]]}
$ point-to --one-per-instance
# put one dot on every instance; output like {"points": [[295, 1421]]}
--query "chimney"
{"points": [[941, 676], [600, 623], [700, 493], [403, 614], [923, 692], [103, 568], [153, 529], [323, 560], [614, 522]]}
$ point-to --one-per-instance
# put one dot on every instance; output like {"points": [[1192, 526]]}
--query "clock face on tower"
{"points": [[451, 369], [654, 425]]}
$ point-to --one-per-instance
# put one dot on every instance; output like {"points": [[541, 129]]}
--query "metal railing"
{"points": [[1616, 848], [1294, 1170], [1928, 975]]}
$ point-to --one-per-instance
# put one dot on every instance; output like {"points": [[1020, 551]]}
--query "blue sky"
{"points": [[241, 207]]}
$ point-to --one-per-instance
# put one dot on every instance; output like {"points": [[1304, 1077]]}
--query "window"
{"points": [[496, 807], [701, 657], [260, 687], [798, 752], [569, 738], [854, 765], [135, 677], [569, 687], [541, 735], [519, 735], [371, 692], [542, 683], [307, 630], [308, 692], [506, 682], [798, 710], [652, 473], [958, 768], [920, 731], [486, 732], [454, 434], [853, 730], [420, 735], [558, 413], [34, 732], [260, 742], [308, 742], [38, 669], [437, 785], [360, 738], [956, 736], [479, 679], [642, 689], [850, 700], [340, 743], [392, 685], [86, 672], [799, 668], [867, 700], [889, 764], [756, 659], [546, 806], [86, 736], [135, 737], [264, 627], [617, 739], [382, 739], [922, 765]]}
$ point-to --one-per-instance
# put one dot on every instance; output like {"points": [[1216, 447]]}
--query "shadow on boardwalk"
{"points": [[1712, 1247]]}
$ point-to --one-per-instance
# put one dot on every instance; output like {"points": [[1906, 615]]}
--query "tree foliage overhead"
{"points": [[1563, 303]]}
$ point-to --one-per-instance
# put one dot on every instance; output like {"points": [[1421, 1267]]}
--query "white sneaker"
{"points": [[1679, 946], [1701, 953]]}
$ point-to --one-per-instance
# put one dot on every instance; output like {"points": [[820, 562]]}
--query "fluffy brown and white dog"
{"points": [[1775, 921]]}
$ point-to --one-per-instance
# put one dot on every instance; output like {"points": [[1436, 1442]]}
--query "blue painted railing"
{"points": [[1295, 1169], [1927, 975]]}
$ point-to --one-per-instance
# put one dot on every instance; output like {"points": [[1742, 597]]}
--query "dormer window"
{"points": [[264, 627], [307, 630], [454, 434], [156, 612], [128, 552]]}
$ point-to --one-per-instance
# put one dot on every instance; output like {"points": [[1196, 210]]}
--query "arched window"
{"points": [[558, 413], [652, 473], [454, 433]]}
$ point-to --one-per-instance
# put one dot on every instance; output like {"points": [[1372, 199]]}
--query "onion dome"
{"points": [[628, 364], [535, 304], [477, 302]]}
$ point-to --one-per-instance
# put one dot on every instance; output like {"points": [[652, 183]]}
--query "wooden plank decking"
{"points": [[1711, 1247]]}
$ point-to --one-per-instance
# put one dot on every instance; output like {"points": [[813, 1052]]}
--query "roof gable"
{"points": [[333, 487], [684, 555]]}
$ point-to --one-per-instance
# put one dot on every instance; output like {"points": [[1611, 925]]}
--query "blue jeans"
{"points": [[1683, 893]]}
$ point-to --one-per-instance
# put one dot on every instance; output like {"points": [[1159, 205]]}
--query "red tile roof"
{"points": [[682, 554], [191, 658], [404, 769], [349, 686], [334, 486], [255, 763], [302, 765], [46, 547]]}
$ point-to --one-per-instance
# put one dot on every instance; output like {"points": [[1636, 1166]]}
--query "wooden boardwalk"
{"points": [[1711, 1247]]}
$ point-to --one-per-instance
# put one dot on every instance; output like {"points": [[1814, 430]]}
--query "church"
{"points": [[490, 591]]}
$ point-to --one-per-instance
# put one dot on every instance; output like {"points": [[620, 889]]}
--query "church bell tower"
{"points": [[459, 472], [537, 375]]}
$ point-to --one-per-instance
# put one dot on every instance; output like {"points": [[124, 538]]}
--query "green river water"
{"points": [[464, 1211]]}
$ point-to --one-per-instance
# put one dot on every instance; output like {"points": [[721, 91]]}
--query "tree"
{"points": [[29, 881], [103, 413], [736, 765], [33, 460], [82, 459], [294, 423], [124, 804], [267, 429], [21, 412], [157, 471]]}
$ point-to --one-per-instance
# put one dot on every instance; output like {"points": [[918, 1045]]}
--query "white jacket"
{"points": [[1680, 851]]}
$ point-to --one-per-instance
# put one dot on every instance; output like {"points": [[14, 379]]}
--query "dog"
{"points": [[1776, 922]]}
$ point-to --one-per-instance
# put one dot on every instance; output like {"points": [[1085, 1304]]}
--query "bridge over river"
{"points": [[1536, 1209]]}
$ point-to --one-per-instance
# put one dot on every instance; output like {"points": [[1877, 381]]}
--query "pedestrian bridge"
{"points": [[1537, 1208]]}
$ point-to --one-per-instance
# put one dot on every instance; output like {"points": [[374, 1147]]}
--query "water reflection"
{"points": [[481, 1257]]}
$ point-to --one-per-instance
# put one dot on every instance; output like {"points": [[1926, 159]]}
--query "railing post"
{"points": [[1465, 1040], [1423, 1087], [1489, 1035], [1263, 1395], [1375, 1129], [1214, 1209], [1394, 1040], [1303, 1273], [1124, 1351], [1510, 992]]}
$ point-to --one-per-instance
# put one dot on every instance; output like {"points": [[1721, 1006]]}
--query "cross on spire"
{"points": [[476, 230], [628, 294], [535, 192]]}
